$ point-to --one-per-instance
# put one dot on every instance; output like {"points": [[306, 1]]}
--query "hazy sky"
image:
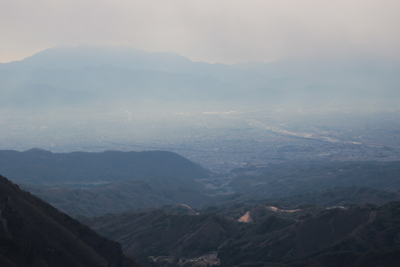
{"points": [[207, 30]]}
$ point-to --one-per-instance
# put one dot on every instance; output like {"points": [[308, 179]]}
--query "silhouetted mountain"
{"points": [[37, 166], [33, 233], [103, 75], [123, 196], [65, 57]]}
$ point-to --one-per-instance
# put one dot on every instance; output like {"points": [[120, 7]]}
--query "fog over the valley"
{"points": [[97, 98], [238, 83]]}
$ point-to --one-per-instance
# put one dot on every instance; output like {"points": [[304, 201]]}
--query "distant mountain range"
{"points": [[87, 76]]}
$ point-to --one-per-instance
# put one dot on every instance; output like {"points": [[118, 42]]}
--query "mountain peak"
{"points": [[66, 57]]}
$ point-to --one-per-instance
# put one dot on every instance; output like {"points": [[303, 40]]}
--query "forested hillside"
{"points": [[42, 167], [282, 180], [33, 233], [122, 196], [354, 235]]}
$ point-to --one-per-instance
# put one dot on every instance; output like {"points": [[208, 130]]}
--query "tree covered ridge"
{"points": [[33, 233], [38, 166], [352, 235]]}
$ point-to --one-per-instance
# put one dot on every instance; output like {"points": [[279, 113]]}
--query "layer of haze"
{"points": [[225, 31]]}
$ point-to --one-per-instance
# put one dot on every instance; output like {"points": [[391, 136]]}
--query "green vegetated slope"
{"points": [[335, 237], [33, 233], [125, 195], [155, 233], [290, 179], [308, 236], [42, 167]]}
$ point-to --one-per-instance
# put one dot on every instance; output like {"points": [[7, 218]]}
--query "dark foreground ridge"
{"points": [[33, 233]]}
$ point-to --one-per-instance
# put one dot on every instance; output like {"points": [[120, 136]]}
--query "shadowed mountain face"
{"points": [[44, 167], [33, 233]]}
